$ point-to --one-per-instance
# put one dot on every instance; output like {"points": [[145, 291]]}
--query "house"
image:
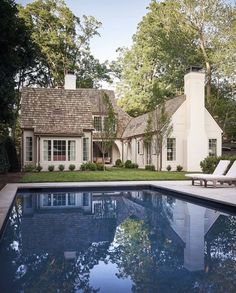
{"points": [[62, 126]]}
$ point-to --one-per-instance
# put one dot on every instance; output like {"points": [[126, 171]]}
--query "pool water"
{"points": [[116, 241]]}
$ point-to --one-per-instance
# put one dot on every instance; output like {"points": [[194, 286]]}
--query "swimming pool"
{"points": [[127, 240]]}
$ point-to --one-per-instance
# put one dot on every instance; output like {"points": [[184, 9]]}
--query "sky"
{"points": [[119, 22]]}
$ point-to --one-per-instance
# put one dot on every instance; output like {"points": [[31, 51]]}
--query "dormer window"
{"points": [[97, 120]]}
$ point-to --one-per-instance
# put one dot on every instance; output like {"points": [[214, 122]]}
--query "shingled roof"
{"points": [[65, 112], [55, 111], [137, 125]]}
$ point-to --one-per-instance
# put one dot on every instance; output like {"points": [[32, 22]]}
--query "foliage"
{"points": [[133, 166], [51, 168], [127, 164], [4, 163], [61, 167], [209, 164], [171, 36], [100, 167], [150, 167], [39, 168], [179, 168], [71, 167], [109, 128], [17, 53], [88, 166], [63, 40], [119, 163], [12, 155], [168, 168], [29, 167]]}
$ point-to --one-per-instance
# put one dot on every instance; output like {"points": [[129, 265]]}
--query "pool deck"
{"points": [[221, 194]]}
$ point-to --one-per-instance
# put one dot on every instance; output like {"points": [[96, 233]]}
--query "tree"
{"points": [[171, 36], [17, 54], [158, 129], [63, 40], [109, 127]]}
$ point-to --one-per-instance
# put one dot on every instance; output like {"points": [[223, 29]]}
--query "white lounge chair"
{"points": [[230, 177], [219, 170]]}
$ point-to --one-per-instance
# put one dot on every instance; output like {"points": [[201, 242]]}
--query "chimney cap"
{"points": [[70, 72], [194, 68]]}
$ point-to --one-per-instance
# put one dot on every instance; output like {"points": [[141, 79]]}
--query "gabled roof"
{"points": [[55, 111], [65, 112], [137, 125]]}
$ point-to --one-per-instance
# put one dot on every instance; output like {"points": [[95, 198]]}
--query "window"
{"points": [[171, 149], [212, 147], [85, 149], [29, 149], [71, 150], [47, 150], [98, 123], [85, 199], [140, 147], [149, 157], [47, 200], [71, 199], [59, 150], [59, 199]]}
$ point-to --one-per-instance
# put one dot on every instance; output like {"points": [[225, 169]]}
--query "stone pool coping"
{"points": [[225, 195]]}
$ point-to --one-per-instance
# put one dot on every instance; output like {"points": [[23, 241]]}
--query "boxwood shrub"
{"points": [[150, 167], [209, 163]]}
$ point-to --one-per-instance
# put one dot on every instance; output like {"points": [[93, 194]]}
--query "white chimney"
{"points": [[70, 81], [197, 143]]}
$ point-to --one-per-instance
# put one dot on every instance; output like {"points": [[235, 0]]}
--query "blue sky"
{"points": [[119, 22]]}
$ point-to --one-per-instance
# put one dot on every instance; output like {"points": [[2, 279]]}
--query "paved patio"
{"points": [[221, 194]]}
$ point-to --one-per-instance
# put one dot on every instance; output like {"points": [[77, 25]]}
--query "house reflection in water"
{"points": [[66, 222], [69, 222]]}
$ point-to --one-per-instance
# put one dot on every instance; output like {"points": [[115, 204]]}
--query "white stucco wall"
{"points": [[78, 152]]}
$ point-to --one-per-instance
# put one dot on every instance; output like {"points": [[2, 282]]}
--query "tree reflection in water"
{"points": [[144, 234]]}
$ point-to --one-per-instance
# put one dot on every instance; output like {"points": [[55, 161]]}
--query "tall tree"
{"points": [[173, 35], [63, 39], [109, 126], [17, 53]]}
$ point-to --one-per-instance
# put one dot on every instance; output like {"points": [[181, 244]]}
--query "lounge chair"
{"points": [[219, 170], [230, 177]]}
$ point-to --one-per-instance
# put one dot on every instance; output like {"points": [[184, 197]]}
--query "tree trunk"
{"points": [[208, 66]]}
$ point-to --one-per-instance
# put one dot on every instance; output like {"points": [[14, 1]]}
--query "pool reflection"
{"points": [[125, 241]]}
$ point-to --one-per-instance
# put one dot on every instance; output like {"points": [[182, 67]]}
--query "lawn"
{"points": [[113, 174]]}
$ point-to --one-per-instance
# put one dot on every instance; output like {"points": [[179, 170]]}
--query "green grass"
{"points": [[113, 174]]}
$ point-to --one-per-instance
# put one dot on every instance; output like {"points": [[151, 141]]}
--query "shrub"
{"points": [[91, 166], [83, 167], [39, 168], [100, 167], [209, 163], [119, 163], [29, 168], [12, 155], [133, 166], [72, 167], [51, 168], [179, 168], [61, 167], [168, 168], [127, 164], [88, 166], [150, 167]]}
